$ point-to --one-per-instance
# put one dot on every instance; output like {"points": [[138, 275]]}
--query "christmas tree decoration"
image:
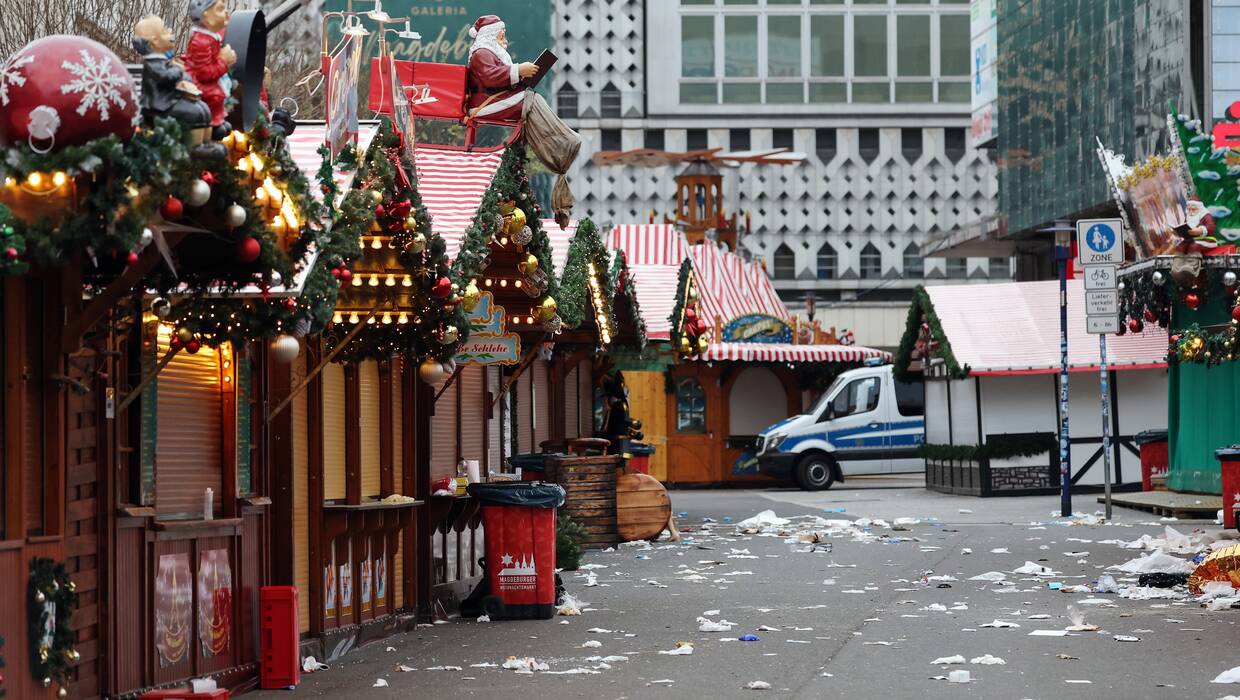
{"points": [[199, 193], [528, 266], [1229, 279], [248, 249], [442, 288], [1192, 300], [285, 349], [1135, 325], [131, 258], [431, 371], [161, 307], [50, 605], [235, 215], [471, 297], [184, 334], [516, 222], [172, 209], [524, 236], [416, 244], [546, 310], [411, 225], [193, 345], [449, 335]]}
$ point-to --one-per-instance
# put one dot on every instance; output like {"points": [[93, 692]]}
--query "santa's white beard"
{"points": [[490, 42]]}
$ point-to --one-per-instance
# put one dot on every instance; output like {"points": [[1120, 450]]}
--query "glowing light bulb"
{"points": [[517, 284], [357, 280], [370, 321], [489, 282], [387, 319], [354, 318], [503, 283], [376, 243], [374, 280], [256, 163], [403, 318], [260, 196], [35, 180], [12, 182], [406, 281], [59, 178], [338, 318], [529, 319], [391, 281]]}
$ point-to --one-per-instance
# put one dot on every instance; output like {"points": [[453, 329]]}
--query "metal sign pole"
{"points": [[1106, 424], [1065, 461]]}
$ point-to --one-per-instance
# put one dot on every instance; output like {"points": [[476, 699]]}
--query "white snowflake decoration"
{"points": [[10, 75], [96, 82]]}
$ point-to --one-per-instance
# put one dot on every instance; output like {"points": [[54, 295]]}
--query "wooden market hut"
{"points": [[990, 364]]}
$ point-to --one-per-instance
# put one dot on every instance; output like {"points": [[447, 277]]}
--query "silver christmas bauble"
{"points": [[234, 216], [1229, 279], [1120, 286], [199, 193], [147, 237], [1158, 278], [431, 372], [162, 308], [285, 349]]}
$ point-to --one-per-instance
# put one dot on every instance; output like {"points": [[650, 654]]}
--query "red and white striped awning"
{"points": [[452, 184], [654, 253], [730, 287], [786, 352], [560, 240], [304, 145]]}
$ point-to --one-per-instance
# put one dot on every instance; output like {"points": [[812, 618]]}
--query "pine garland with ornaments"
{"points": [[622, 280], [403, 266], [1207, 311], [50, 602], [689, 329], [587, 287]]}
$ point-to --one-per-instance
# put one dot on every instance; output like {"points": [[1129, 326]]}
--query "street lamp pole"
{"points": [[1063, 236]]}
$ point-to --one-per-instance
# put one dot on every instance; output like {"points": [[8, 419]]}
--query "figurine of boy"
{"points": [[208, 59], [167, 90]]}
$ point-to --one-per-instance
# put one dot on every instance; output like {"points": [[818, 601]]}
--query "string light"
{"points": [[354, 318], [391, 281], [59, 178]]}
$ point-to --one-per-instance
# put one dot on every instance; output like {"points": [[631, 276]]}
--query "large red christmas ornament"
{"points": [[345, 275], [1235, 312], [442, 288], [1192, 301], [193, 346], [172, 208], [1135, 325], [132, 258], [248, 249], [65, 91], [10, 254], [1150, 316]]}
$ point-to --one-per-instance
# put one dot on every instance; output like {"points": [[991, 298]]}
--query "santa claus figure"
{"points": [[1200, 227], [496, 91], [208, 59]]}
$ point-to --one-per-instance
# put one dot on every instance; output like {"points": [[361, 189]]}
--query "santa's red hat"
{"points": [[486, 23]]}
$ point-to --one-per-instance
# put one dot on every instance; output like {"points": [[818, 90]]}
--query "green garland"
{"points": [[50, 584], [923, 308], [678, 311], [1142, 301], [1195, 344], [574, 302], [568, 539], [107, 220], [622, 280], [1004, 446], [510, 184], [421, 339]]}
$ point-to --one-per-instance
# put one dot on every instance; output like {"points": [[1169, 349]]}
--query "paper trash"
{"points": [[1229, 676], [946, 660], [757, 685], [1156, 562], [708, 625], [682, 649], [987, 660]]}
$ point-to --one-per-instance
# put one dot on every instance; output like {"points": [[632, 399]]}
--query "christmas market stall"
{"points": [[990, 366], [1183, 223]]}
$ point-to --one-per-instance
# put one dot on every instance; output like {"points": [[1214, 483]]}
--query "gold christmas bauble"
{"points": [[693, 294], [702, 345], [546, 310], [411, 224], [471, 297], [431, 371], [516, 222], [529, 265], [377, 196], [506, 208], [185, 334], [685, 348], [450, 334], [417, 244]]}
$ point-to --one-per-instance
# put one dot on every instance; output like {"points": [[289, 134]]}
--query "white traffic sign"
{"points": [[1102, 324], [1102, 303], [1100, 241], [1101, 277]]}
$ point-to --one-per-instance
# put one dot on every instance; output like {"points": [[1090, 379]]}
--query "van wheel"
{"points": [[816, 473]]}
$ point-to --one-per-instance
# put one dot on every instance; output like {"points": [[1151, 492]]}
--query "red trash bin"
{"points": [[640, 461], [280, 665], [1154, 462], [518, 519], [1229, 461]]}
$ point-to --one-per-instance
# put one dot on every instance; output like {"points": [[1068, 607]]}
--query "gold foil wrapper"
{"points": [[1221, 565]]}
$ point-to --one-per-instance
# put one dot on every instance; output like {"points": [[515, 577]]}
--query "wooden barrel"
{"points": [[643, 507], [590, 495]]}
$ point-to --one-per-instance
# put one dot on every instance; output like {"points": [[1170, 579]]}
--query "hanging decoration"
{"points": [[587, 289], [689, 329], [622, 282], [923, 333], [49, 611], [1207, 311]]}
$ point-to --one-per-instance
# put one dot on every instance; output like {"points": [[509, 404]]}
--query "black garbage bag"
{"points": [[518, 493]]}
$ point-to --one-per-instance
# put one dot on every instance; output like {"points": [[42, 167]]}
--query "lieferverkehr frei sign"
{"points": [[1100, 248], [444, 26]]}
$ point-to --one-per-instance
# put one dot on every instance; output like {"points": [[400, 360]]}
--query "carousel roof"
{"points": [[653, 253], [1013, 328]]}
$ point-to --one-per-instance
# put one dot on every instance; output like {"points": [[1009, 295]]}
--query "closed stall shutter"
{"points": [[333, 432], [585, 398], [524, 424], [495, 429], [471, 413], [33, 463], [301, 495], [572, 424], [368, 385], [443, 434], [542, 403], [398, 433], [189, 431]]}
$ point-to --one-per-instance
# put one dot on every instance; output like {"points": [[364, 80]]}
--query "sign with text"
{"points": [[1101, 277], [984, 83], [1100, 247], [1098, 241], [341, 102], [757, 328], [1102, 303], [488, 343], [1099, 325]]}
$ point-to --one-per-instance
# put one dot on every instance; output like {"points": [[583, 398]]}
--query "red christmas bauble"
{"points": [[1150, 316], [193, 346], [174, 342], [690, 314], [290, 304], [63, 91], [379, 211], [1235, 312], [132, 258], [248, 249], [1122, 330], [1192, 301], [345, 275], [442, 288], [172, 208], [1174, 339], [1135, 325], [10, 254], [336, 272]]}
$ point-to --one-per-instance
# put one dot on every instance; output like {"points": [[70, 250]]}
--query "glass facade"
{"points": [[1073, 70], [823, 51]]}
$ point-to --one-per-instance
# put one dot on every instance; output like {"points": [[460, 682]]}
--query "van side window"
{"points": [[911, 398], [857, 397]]}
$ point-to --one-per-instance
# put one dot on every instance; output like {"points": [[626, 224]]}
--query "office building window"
{"points": [[738, 139], [870, 45], [957, 268], [653, 138], [910, 144], [782, 138], [785, 263], [609, 102], [828, 262], [914, 264], [695, 139], [867, 142], [999, 268], [610, 140], [954, 143], [824, 144], [871, 262], [697, 46], [566, 102]]}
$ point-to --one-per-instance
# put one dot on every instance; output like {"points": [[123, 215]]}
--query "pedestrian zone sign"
{"points": [[1098, 242]]}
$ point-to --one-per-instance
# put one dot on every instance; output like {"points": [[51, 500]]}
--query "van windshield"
{"points": [[821, 404]]}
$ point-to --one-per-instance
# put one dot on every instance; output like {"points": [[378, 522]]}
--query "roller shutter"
{"points": [[189, 431], [585, 398], [398, 432], [301, 495], [572, 423], [443, 434], [472, 413], [542, 403], [333, 432], [495, 429], [368, 428], [524, 423]]}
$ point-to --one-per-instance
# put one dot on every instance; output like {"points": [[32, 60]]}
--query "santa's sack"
{"points": [[556, 146]]}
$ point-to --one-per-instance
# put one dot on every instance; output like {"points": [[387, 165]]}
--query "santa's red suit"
{"points": [[495, 88], [203, 63]]}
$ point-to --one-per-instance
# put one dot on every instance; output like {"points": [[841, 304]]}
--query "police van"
{"points": [[866, 422]]}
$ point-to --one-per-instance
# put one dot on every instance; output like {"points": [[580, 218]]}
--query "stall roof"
{"points": [[560, 240], [787, 352], [730, 286], [304, 146], [654, 253], [1013, 328], [452, 184]]}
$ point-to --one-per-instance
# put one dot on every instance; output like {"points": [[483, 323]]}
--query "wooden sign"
{"points": [[757, 328], [488, 343]]}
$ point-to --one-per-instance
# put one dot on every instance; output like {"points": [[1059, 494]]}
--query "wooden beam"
{"points": [[525, 362], [448, 383], [137, 391], [319, 368]]}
